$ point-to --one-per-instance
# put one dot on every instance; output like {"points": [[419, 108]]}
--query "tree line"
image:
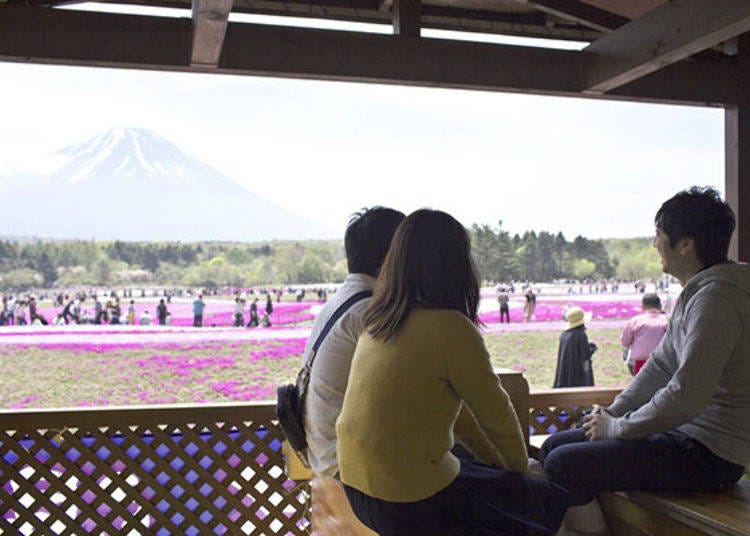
{"points": [[499, 256]]}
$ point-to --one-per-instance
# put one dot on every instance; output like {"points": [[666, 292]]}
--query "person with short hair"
{"points": [[643, 333], [366, 242], [198, 306], [253, 314], [421, 379], [131, 312], [683, 422], [239, 316], [504, 299], [161, 312]]}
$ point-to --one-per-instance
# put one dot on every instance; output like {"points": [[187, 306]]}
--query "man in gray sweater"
{"points": [[683, 423]]}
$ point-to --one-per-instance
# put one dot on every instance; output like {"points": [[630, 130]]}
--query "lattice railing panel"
{"points": [[561, 409], [193, 471], [551, 420]]}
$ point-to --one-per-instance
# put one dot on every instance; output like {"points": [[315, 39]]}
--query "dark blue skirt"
{"points": [[482, 500]]}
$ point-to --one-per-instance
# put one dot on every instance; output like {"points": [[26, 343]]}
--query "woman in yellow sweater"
{"points": [[418, 366]]}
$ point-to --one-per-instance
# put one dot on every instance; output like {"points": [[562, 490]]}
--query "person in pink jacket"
{"points": [[643, 333]]}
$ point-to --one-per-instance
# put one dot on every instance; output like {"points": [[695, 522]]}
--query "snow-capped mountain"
{"points": [[132, 184]]}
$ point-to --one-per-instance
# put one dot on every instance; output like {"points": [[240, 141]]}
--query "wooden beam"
{"points": [[210, 18], [60, 36], [665, 35], [737, 155], [581, 13], [406, 18], [361, 57], [43, 35]]}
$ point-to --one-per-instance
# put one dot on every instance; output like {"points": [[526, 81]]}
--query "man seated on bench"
{"points": [[366, 242], [682, 423]]}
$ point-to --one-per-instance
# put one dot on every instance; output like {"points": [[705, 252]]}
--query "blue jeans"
{"points": [[481, 501], [665, 461]]}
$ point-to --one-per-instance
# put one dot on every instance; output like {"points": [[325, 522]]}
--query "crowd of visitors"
{"points": [[109, 310]]}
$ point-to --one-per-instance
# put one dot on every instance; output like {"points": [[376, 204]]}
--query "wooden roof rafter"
{"points": [[666, 35], [161, 43], [581, 13]]}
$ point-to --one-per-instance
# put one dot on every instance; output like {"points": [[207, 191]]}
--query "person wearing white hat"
{"points": [[574, 352]]}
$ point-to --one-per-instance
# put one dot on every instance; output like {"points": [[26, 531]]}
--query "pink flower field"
{"points": [[104, 374], [88, 365], [551, 309]]}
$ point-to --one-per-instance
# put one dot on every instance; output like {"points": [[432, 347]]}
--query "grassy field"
{"points": [[535, 353], [124, 374]]}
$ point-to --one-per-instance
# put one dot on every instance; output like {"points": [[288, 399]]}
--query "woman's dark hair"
{"points": [[429, 265], [700, 214]]}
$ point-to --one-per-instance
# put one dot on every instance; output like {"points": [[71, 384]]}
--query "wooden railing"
{"points": [[180, 469], [552, 410], [163, 470]]}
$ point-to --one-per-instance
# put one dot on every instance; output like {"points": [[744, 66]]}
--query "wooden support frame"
{"points": [[44, 35], [406, 18], [665, 35], [210, 18], [581, 13], [737, 155]]}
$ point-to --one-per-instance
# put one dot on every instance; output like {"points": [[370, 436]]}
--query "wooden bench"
{"points": [[643, 513], [627, 513], [680, 513]]}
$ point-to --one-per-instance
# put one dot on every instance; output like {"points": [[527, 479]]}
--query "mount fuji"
{"points": [[132, 184]]}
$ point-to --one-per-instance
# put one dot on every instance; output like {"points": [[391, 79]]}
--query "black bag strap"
{"points": [[344, 307], [304, 375]]}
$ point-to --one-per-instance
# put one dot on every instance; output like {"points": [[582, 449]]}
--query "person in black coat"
{"points": [[574, 353]]}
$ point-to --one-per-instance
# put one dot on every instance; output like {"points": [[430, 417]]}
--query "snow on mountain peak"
{"points": [[131, 154]]}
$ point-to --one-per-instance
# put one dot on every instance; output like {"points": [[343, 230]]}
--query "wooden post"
{"points": [[737, 154], [406, 18]]}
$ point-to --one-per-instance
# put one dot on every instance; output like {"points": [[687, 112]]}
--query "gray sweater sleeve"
{"points": [[697, 351], [653, 376]]}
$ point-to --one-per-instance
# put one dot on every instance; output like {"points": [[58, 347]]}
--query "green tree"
{"points": [[583, 268]]}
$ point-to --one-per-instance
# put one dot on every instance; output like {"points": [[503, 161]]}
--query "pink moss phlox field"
{"points": [[547, 311], [134, 373]]}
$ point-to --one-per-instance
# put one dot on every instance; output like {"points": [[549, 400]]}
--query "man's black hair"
{"points": [[700, 214], [367, 238], [651, 301]]}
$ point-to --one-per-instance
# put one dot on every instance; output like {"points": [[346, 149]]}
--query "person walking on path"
{"points": [[643, 333], [504, 299], [574, 352], [529, 308], [20, 313], [239, 316], [253, 322], [131, 313], [97, 310], [198, 306], [683, 422], [161, 312]]}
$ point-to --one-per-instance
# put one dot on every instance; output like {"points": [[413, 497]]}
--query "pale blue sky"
{"points": [[325, 149]]}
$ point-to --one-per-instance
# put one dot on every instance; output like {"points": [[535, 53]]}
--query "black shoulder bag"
{"points": [[290, 398]]}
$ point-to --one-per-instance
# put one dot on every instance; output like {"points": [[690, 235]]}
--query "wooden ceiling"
{"points": [[680, 51]]}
